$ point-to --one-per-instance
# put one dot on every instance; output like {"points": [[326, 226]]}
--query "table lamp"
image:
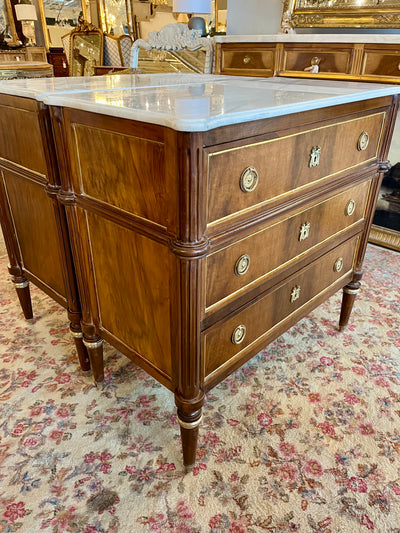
{"points": [[194, 6], [26, 14]]}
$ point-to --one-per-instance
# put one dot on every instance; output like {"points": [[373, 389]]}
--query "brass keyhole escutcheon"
{"points": [[242, 265], [249, 179], [304, 231], [314, 156], [363, 141], [246, 60], [238, 334], [350, 208], [295, 293], [337, 267]]}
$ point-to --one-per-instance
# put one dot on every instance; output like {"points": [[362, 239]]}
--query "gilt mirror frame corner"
{"points": [[342, 13], [85, 31]]}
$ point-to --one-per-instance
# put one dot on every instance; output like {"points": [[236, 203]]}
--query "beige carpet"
{"points": [[304, 438]]}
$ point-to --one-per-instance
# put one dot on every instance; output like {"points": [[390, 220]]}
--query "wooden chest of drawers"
{"points": [[192, 250]]}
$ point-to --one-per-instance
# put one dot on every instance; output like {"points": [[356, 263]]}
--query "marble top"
{"points": [[195, 102], [311, 38]]}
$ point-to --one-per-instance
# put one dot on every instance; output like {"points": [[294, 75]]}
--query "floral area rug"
{"points": [[304, 438]]}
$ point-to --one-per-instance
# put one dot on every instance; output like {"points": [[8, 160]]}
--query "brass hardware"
{"points": [[93, 345], [314, 67], [249, 179], [77, 334], [190, 425], [363, 141], [304, 231], [314, 157], [350, 208], [242, 265], [337, 267], [21, 285], [295, 293], [239, 334], [351, 291], [246, 60]]}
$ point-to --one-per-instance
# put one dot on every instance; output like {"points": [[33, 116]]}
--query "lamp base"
{"points": [[198, 23], [28, 29]]}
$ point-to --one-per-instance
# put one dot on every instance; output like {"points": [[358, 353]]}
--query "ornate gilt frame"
{"points": [[334, 14]]}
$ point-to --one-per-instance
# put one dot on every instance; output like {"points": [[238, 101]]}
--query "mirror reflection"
{"points": [[86, 50]]}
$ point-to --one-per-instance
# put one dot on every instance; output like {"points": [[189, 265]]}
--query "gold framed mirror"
{"points": [[85, 49], [343, 13], [7, 21], [59, 18]]}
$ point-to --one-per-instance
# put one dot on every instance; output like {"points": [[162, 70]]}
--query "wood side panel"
{"points": [[279, 174], [36, 230], [324, 220], [133, 299], [381, 63], [20, 136], [269, 310], [122, 170]]}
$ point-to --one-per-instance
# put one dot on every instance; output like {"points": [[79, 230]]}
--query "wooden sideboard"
{"points": [[193, 250], [29, 53], [338, 58]]}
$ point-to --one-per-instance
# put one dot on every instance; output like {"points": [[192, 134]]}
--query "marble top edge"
{"points": [[311, 38], [219, 102]]}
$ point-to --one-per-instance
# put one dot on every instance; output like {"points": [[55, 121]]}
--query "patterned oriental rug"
{"points": [[304, 438]]}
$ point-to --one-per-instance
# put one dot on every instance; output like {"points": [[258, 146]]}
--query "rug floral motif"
{"points": [[303, 438]]}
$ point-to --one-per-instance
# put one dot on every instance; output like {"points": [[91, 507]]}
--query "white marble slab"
{"points": [[205, 102], [311, 38], [40, 88]]}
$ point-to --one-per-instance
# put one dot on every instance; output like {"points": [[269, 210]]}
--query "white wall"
{"points": [[252, 17]]}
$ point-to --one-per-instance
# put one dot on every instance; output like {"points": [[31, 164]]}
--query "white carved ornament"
{"points": [[174, 37]]}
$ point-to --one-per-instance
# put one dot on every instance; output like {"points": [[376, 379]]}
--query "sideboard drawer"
{"points": [[248, 60], [251, 175], [298, 57], [225, 341], [381, 63], [253, 258]]}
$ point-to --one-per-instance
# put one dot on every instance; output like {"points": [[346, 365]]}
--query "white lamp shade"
{"points": [[192, 6], [25, 12]]}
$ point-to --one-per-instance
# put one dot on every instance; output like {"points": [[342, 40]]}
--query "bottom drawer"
{"points": [[227, 339]]}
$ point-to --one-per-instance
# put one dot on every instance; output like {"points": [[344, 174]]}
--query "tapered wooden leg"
{"points": [[95, 351], [189, 424], [21, 285], [349, 295]]}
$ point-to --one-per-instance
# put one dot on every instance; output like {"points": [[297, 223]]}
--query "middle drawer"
{"points": [[257, 256]]}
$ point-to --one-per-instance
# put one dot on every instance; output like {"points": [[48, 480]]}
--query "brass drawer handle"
{"points": [[242, 265], [350, 208], [363, 141], [338, 265], [249, 179], [246, 60], [295, 293], [304, 231], [238, 334], [314, 156]]}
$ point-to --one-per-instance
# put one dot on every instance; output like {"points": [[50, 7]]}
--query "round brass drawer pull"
{"points": [[246, 60], [350, 208], [242, 265], [337, 267], [249, 179], [363, 141], [239, 334]]}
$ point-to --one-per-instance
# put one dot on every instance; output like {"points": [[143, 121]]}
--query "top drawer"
{"points": [[298, 57], [381, 63], [248, 60], [243, 178]]}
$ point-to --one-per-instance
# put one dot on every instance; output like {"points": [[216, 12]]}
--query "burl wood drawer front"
{"points": [[243, 177], [335, 60], [225, 341], [253, 258], [248, 61], [378, 63]]}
